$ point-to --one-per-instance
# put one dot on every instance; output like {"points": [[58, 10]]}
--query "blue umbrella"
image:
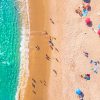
{"points": [[99, 26], [78, 91], [84, 12], [87, 1]]}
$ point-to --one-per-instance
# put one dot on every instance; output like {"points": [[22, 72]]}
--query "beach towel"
{"points": [[84, 12]]}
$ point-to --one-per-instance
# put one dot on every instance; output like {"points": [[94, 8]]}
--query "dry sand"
{"points": [[69, 29]]}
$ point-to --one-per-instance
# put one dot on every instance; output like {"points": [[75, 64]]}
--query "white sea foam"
{"points": [[24, 49]]}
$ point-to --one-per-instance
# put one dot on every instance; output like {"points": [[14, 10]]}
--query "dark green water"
{"points": [[9, 49]]}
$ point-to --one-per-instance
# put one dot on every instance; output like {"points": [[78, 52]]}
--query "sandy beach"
{"points": [[54, 73]]}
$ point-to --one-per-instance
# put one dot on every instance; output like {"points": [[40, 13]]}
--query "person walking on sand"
{"points": [[51, 43], [34, 80], [57, 60], [51, 21], [47, 57], [37, 47]]}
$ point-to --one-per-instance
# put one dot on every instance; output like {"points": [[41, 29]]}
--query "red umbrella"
{"points": [[88, 21], [98, 32]]}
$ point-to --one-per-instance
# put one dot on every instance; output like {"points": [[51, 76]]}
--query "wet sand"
{"points": [[39, 66], [62, 75]]}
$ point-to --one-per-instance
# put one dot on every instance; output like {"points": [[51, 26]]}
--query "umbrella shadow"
{"points": [[90, 24], [81, 96]]}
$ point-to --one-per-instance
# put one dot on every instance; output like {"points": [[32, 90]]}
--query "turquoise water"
{"points": [[9, 49]]}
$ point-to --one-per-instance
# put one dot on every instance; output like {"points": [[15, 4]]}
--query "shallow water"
{"points": [[9, 49]]}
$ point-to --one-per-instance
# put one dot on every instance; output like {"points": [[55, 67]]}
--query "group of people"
{"points": [[51, 44], [84, 8], [83, 11], [34, 84], [85, 76], [95, 66]]}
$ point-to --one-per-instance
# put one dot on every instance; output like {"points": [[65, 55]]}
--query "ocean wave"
{"points": [[24, 49]]}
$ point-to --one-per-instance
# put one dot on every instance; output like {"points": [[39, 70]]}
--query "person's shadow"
{"points": [[89, 9]]}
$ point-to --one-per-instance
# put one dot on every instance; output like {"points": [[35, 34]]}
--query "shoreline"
{"points": [[71, 42], [24, 49]]}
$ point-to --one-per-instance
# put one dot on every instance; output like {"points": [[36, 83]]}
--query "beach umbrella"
{"points": [[98, 32], [88, 21], [87, 1], [99, 26], [78, 91], [84, 12]]}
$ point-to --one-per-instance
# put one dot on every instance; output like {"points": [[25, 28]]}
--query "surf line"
{"points": [[24, 49]]}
